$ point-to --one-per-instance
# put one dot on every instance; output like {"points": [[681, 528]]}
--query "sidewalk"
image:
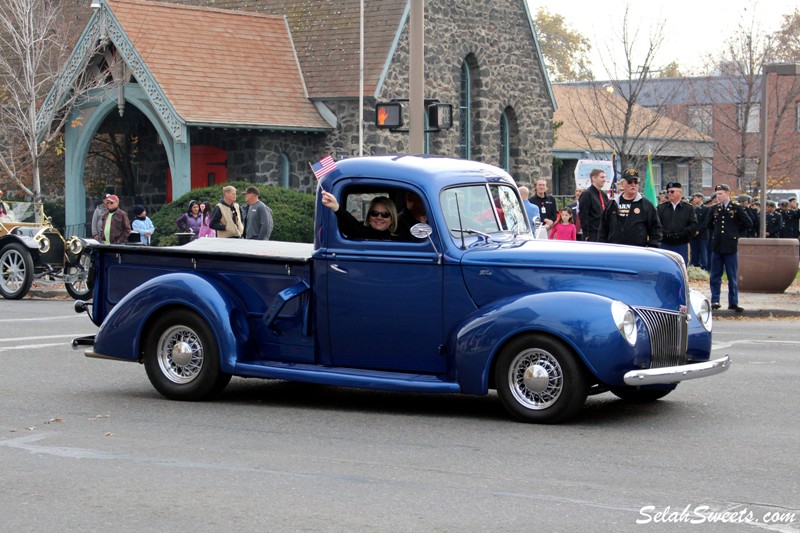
{"points": [[756, 304]]}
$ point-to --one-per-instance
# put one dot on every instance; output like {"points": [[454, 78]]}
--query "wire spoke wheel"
{"points": [[536, 379], [180, 354], [539, 379], [81, 288], [181, 357], [16, 271]]}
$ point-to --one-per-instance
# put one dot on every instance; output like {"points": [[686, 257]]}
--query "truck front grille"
{"points": [[669, 336]]}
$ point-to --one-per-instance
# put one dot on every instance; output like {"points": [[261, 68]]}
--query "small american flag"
{"points": [[323, 167]]}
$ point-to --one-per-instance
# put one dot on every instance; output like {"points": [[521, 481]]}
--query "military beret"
{"points": [[699, 195], [744, 198], [771, 203], [793, 199], [783, 202], [674, 185], [722, 187]]}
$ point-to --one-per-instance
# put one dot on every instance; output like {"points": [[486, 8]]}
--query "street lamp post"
{"points": [[780, 69]]}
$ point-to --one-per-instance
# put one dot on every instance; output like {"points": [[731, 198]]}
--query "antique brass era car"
{"points": [[31, 249]]}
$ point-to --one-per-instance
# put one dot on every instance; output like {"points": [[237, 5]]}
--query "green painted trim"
{"points": [[390, 56], [546, 78]]}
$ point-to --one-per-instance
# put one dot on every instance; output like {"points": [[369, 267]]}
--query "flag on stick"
{"points": [[649, 186], [612, 191], [323, 167]]}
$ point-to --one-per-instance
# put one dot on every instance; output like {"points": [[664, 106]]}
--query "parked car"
{"points": [[31, 249]]}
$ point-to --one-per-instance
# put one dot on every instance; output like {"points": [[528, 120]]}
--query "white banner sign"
{"points": [[585, 166]]}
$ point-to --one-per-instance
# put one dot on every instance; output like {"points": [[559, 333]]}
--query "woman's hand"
{"points": [[328, 200]]}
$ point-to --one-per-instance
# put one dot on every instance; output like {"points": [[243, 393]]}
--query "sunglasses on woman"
{"points": [[382, 214]]}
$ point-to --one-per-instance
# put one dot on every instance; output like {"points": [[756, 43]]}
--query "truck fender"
{"points": [[121, 334], [581, 320]]}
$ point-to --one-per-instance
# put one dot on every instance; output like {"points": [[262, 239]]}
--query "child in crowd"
{"points": [[563, 229], [142, 224], [205, 220]]}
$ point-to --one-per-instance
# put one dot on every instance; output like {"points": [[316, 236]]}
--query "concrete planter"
{"points": [[767, 265]]}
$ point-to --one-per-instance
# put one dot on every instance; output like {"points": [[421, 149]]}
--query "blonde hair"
{"points": [[385, 200]]}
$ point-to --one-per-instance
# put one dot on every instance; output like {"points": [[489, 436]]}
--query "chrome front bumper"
{"points": [[674, 374]]}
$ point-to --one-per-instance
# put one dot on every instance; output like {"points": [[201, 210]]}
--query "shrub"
{"points": [[292, 212]]}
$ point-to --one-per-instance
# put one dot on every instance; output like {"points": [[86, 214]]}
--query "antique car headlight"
{"points": [[44, 243], [625, 321], [75, 246], [701, 308]]}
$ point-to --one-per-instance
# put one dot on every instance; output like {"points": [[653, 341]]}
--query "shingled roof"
{"points": [[221, 67], [582, 108], [326, 36]]}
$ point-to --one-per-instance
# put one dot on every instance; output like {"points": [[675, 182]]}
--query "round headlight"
{"points": [[625, 320], [701, 308], [44, 244], [75, 246]]}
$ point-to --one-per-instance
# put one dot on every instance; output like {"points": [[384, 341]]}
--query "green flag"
{"points": [[649, 186]]}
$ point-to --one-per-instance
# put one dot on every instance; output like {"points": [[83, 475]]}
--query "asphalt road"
{"points": [[88, 445]]}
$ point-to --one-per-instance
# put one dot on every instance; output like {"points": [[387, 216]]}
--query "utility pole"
{"points": [[416, 77]]}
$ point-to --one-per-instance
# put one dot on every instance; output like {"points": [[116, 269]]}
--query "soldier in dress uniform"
{"points": [[774, 221], [747, 202], [727, 222]]}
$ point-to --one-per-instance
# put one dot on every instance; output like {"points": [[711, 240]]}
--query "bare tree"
{"points": [[608, 113], [35, 40], [736, 85]]}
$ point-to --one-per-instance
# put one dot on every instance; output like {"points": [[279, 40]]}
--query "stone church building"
{"points": [[208, 91]]}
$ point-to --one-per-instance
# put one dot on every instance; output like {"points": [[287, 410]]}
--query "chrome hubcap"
{"points": [[13, 266], [180, 354], [536, 379]]}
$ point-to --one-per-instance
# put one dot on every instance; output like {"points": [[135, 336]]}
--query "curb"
{"points": [[756, 313]]}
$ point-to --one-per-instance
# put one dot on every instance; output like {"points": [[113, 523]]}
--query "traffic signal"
{"points": [[389, 115]]}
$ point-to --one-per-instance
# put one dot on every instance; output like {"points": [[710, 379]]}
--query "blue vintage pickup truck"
{"points": [[469, 302]]}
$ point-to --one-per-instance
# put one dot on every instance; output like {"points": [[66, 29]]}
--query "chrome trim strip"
{"points": [[675, 374]]}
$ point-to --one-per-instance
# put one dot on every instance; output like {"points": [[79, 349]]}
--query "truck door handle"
{"points": [[336, 268]]}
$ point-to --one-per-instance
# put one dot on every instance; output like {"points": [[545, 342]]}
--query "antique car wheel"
{"points": [[540, 380], [16, 271], [637, 395], [182, 359], [81, 289]]}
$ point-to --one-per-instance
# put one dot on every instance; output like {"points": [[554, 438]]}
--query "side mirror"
{"points": [[421, 231]]}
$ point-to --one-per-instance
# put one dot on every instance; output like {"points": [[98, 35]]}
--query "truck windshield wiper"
{"points": [[470, 231]]}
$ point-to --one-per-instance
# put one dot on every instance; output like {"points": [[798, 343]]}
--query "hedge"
{"points": [[292, 212]]}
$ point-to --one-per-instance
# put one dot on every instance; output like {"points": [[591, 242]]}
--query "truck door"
{"points": [[384, 302]]}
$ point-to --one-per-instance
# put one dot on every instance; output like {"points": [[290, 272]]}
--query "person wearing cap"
{"points": [[678, 221], [226, 218], [142, 224], [592, 203], [630, 218], [259, 216], [789, 220], [774, 221], [698, 246], [115, 223], [746, 202], [97, 219], [727, 222]]}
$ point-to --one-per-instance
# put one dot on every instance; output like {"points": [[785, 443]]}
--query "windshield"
{"points": [[17, 212], [486, 208]]}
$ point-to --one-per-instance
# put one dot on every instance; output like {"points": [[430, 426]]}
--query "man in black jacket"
{"points": [[546, 204], [592, 203], [727, 222], [699, 243], [630, 218], [678, 221]]}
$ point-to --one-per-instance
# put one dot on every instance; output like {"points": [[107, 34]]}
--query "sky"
{"points": [[693, 28]]}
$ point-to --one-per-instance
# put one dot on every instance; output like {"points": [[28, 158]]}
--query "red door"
{"points": [[209, 167]]}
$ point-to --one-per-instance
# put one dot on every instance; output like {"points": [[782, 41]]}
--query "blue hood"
{"points": [[645, 277]]}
